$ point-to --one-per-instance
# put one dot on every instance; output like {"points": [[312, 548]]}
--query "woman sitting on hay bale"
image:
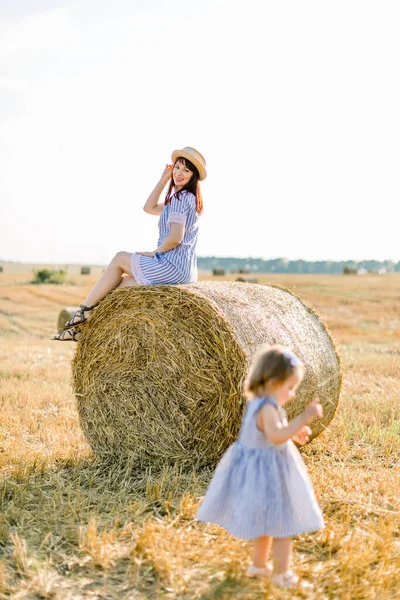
{"points": [[174, 261]]}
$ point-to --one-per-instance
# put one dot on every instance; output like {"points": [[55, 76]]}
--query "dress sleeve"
{"points": [[267, 400], [179, 210]]}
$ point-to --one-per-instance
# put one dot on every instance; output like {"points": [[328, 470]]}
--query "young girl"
{"points": [[174, 261], [261, 489]]}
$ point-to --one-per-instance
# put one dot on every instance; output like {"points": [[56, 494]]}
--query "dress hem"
{"points": [[137, 271], [264, 532]]}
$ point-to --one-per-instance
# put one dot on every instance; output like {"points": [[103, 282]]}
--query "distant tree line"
{"points": [[282, 265]]}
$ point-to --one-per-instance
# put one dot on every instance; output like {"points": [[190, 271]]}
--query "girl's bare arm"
{"points": [[277, 432]]}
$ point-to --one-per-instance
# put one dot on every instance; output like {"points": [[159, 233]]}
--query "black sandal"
{"points": [[79, 313], [60, 337]]}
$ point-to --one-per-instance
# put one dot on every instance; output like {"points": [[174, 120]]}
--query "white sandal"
{"points": [[253, 571], [290, 580]]}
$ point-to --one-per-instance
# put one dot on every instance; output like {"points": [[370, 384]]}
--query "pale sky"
{"points": [[294, 104]]}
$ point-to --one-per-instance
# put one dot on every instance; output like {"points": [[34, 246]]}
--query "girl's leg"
{"points": [[282, 553], [283, 577], [261, 548]]}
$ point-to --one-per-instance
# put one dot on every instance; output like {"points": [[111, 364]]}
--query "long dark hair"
{"points": [[192, 186]]}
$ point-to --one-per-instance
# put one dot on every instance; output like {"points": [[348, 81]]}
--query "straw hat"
{"points": [[195, 157]]}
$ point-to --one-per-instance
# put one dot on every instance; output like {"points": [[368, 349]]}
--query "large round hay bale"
{"points": [[158, 372], [65, 315]]}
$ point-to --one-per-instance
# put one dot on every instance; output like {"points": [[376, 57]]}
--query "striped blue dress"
{"points": [[260, 488], [178, 265]]}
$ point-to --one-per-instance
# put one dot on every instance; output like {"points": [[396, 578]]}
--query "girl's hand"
{"points": [[152, 254], [166, 176], [302, 436], [313, 411]]}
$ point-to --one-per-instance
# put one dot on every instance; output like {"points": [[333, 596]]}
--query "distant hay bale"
{"points": [[349, 271], [1, 269], [85, 270], [247, 279], [158, 372], [65, 315], [218, 272]]}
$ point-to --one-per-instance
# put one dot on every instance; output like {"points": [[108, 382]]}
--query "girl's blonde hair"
{"points": [[271, 363]]}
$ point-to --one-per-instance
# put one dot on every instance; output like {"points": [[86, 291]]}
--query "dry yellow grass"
{"points": [[71, 527]]}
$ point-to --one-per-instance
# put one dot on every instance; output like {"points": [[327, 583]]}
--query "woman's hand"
{"points": [[166, 176], [302, 436], [152, 254]]}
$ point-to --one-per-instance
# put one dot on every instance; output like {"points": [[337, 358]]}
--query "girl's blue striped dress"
{"points": [[179, 265], [260, 488]]}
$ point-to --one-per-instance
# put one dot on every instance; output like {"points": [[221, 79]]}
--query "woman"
{"points": [[174, 261]]}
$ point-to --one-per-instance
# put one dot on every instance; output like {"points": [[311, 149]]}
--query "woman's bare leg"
{"points": [[110, 279], [127, 281], [117, 274], [119, 267]]}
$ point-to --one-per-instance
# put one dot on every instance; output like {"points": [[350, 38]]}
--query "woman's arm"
{"points": [[170, 242], [277, 432], [152, 206], [173, 239]]}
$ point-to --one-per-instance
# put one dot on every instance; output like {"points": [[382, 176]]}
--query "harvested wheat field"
{"points": [[72, 526]]}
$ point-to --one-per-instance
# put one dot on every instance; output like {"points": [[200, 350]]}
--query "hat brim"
{"points": [[182, 154]]}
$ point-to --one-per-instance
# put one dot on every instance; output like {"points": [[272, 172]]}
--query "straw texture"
{"points": [[158, 372]]}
